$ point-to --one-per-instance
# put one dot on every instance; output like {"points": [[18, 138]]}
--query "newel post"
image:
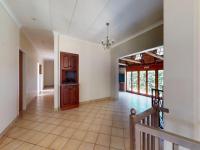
{"points": [[132, 129]]}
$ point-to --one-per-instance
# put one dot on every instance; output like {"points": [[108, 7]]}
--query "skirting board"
{"points": [[96, 100], [48, 86], [88, 101], [8, 127]]}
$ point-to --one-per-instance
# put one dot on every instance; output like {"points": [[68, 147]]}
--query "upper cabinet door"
{"points": [[69, 61], [73, 62], [65, 60]]}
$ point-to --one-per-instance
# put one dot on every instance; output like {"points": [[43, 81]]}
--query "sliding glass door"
{"points": [[135, 81], [160, 79], [143, 82], [129, 81], [151, 81]]}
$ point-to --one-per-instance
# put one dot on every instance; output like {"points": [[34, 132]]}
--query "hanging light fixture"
{"points": [[138, 57], [108, 42], [160, 51]]}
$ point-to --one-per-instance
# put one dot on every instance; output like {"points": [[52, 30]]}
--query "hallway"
{"points": [[101, 125]]}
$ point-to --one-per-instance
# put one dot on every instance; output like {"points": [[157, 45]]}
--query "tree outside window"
{"points": [[128, 81], [143, 82], [135, 81], [151, 81]]}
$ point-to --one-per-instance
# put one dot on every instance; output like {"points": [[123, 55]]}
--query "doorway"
{"points": [[39, 78], [142, 71], [20, 81]]}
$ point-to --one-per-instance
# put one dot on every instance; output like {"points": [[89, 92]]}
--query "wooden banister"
{"points": [[145, 133], [175, 139], [143, 115], [148, 117]]}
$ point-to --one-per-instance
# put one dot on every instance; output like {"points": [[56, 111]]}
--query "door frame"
{"points": [[21, 60]]}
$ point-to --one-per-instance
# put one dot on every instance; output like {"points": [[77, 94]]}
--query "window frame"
{"points": [[146, 68]]}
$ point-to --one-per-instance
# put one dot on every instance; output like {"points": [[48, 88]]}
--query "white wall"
{"points": [[9, 60], [48, 73], [94, 67], [181, 66], [11, 40], [30, 70]]}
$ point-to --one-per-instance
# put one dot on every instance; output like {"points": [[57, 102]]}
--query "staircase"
{"points": [[147, 133]]}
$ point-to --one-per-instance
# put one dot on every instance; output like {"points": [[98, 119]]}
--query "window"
{"points": [[151, 81], [128, 81], [160, 79], [135, 81], [143, 82]]}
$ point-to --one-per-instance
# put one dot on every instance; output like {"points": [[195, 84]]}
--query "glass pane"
{"points": [[151, 81], [143, 82], [135, 81], [128, 81], [160, 79]]}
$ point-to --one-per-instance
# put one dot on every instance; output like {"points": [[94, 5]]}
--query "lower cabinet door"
{"points": [[65, 99], [74, 97], [69, 95]]}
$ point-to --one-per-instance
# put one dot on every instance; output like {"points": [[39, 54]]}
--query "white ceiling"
{"points": [[84, 19]]}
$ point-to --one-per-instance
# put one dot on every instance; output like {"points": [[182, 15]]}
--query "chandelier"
{"points": [[108, 42]]}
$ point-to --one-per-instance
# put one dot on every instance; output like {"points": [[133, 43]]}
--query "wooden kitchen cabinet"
{"points": [[69, 75]]}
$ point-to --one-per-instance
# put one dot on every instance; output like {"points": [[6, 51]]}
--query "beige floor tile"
{"points": [[105, 129], [16, 132], [103, 140], [25, 146], [127, 143], [127, 132], [48, 128], [12, 145], [100, 147], [51, 121], [37, 138], [79, 135], [75, 125], [33, 125], [84, 126], [94, 128], [72, 145], [116, 149], [4, 141], [40, 126], [88, 120], [57, 121], [118, 124], [58, 130], [117, 132], [117, 142], [47, 140], [91, 137], [68, 132], [36, 147], [107, 122], [66, 123], [27, 135], [58, 143], [97, 121], [86, 146]]}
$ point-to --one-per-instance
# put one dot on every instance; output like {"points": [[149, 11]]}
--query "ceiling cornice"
{"points": [[10, 13], [155, 25]]}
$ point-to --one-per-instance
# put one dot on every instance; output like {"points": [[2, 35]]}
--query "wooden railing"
{"points": [[158, 100], [145, 133]]}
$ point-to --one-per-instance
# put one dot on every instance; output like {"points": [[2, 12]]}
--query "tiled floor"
{"points": [[102, 125]]}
